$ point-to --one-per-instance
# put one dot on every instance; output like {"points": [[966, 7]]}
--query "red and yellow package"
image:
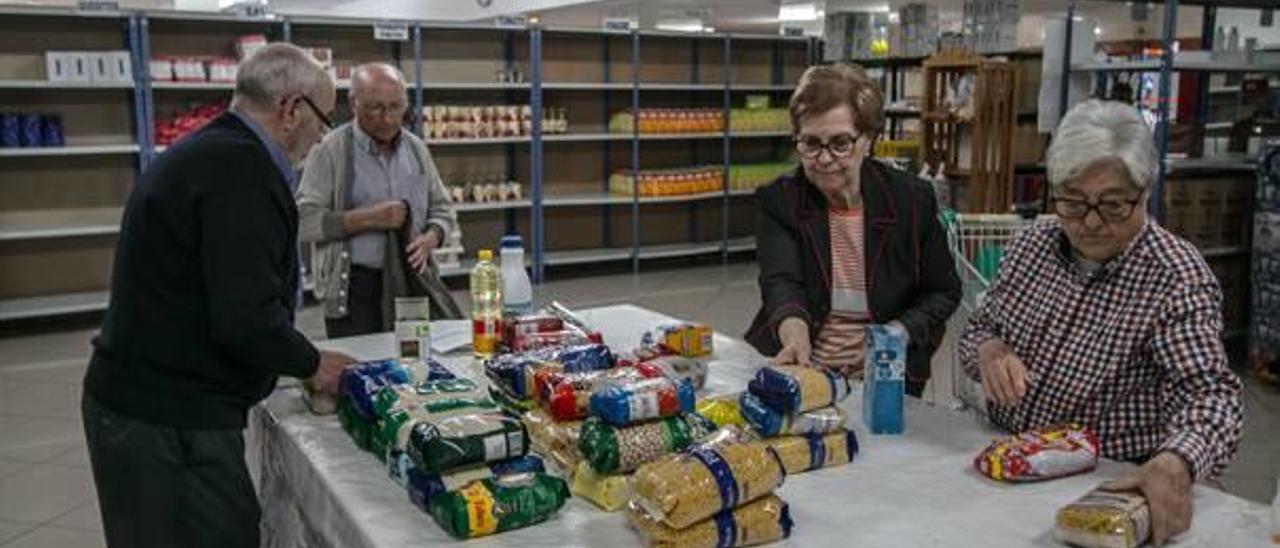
{"points": [[1040, 454], [686, 339], [567, 396]]}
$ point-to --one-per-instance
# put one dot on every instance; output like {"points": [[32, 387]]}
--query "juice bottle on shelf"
{"points": [[486, 306]]}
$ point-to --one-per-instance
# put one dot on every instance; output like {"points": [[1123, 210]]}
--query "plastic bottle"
{"points": [[486, 305], [517, 292]]}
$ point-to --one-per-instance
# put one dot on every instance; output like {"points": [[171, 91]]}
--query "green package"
{"points": [[359, 430], [389, 398], [494, 505], [440, 444], [620, 450], [398, 423]]}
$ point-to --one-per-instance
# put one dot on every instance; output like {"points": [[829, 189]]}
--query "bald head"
{"points": [[371, 77], [378, 101]]}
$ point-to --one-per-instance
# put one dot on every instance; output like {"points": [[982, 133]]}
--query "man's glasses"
{"points": [[328, 124], [1110, 210], [839, 146]]}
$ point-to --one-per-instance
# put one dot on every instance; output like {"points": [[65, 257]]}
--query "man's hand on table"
{"points": [[332, 364], [793, 333], [1004, 377], [1165, 481]]}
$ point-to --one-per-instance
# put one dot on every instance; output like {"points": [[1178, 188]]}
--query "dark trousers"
{"points": [[364, 305], [164, 487]]}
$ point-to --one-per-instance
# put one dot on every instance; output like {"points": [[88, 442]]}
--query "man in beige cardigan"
{"points": [[373, 204]]}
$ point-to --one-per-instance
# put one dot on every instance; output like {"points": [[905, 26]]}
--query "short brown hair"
{"points": [[825, 87]]}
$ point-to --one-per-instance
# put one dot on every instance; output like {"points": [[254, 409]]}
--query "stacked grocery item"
{"points": [[169, 130], [113, 66], [487, 121], [668, 120], [667, 182], [483, 189], [30, 130], [753, 120], [753, 176], [796, 410], [718, 492]]}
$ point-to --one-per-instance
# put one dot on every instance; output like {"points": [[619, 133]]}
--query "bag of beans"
{"points": [[618, 450]]}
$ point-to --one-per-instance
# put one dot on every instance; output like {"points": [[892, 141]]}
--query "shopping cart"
{"points": [[977, 243]]}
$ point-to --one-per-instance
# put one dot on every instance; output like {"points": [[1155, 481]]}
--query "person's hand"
{"points": [[1004, 377], [332, 364], [420, 249], [388, 215], [1165, 481], [793, 333]]}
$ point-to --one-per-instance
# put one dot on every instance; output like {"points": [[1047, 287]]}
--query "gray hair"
{"points": [[1096, 132], [276, 72]]}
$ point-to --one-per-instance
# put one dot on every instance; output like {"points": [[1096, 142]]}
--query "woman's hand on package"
{"points": [[793, 333], [1005, 379], [420, 249], [332, 364], [1165, 481]]}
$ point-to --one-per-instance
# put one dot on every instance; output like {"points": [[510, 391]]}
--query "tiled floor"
{"points": [[46, 491]]}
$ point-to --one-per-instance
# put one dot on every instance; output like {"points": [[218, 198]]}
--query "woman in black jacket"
{"points": [[845, 242]]}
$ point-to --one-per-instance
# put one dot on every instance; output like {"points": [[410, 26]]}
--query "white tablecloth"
{"points": [[918, 489]]}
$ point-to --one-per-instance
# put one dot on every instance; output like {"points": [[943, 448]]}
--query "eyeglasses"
{"points": [[328, 124], [1110, 211], [839, 146], [380, 109]]}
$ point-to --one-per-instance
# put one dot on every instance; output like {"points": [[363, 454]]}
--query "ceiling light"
{"points": [[709, 30], [680, 25], [798, 12]]}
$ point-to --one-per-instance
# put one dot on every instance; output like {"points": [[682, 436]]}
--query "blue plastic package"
{"points": [[29, 130], [884, 386], [10, 134], [586, 357], [51, 131], [794, 389], [769, 422], [424, 486], [513, 374], [360, 384], [628, 402]]}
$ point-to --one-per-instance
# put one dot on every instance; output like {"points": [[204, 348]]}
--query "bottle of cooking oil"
{"points": [[486, 305]]}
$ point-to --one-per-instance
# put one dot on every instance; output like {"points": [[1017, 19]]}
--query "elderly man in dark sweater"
{"points": [[200, 323]]}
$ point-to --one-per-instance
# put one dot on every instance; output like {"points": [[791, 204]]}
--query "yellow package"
{"points": [[687, 339], [765, 520], [722, 410], [1105, 519], [684, 488], [610, 493], [813, 451]]}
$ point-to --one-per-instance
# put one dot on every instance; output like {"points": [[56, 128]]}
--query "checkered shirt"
{"points": [[1132, 350]]}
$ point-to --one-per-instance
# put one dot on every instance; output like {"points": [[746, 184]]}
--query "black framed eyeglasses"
{"points": [[838, 146], [1109, 210], [328, 124]]}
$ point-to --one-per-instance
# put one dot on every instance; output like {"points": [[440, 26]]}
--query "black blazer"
{"points": [[911, 276], [206, 270]]}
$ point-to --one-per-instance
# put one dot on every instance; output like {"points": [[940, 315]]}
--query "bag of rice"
{"points": [[400, 396], [1105, 519], [770, 422], [399, 422], [722, 410], [610, 493], [794, 389], [618, 450], [424, 486], [438, 445], [494, 505], [759, 522], [813, 451], [1040, 454], [629, 402], [693, 485]]}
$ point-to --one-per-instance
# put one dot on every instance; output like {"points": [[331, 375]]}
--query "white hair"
{"points": [[1096, 132], [276, 72], [362, 75]]}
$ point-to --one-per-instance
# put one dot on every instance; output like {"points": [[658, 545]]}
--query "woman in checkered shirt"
{"points": [[1105, 318]]}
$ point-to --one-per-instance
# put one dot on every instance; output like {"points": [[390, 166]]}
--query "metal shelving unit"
{"points": [[72, 150]]}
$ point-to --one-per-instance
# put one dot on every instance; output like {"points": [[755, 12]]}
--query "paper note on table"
{"points": [[450, 335]]}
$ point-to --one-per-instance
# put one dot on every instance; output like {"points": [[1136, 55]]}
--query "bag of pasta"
{"points": [[438, 445], [765, 520], [619, 450], [722, 410], [813, 451], [609, 492], [567, 396], [1040, 454], [794, 389], [771, 422], [494, 505], [630, 402], [424, 486], [1105, 519], [693, 485]]}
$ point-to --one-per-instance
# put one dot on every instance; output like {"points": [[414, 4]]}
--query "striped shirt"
{"points": [[841, 341]]}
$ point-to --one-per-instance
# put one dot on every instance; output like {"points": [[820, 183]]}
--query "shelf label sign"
{"points": [[389, 31], [617, 24], [791, 30], [96, 5], [510, 21]]}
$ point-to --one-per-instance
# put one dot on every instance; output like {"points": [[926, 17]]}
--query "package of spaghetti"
{"points": [[424, 486], [722, 410], [683, 488], [765, 520], [619, 450], [770, 422], [494, 505], [441, 444], [794, 389], [677, 368], [629, 402], [609, 492], [1039, 454], [1105, 519], [567, 396], [360, 383], [813, 451], [547, 434], [398, 423]]}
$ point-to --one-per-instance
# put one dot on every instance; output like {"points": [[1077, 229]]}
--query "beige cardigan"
{"points": [[322, 198]]}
